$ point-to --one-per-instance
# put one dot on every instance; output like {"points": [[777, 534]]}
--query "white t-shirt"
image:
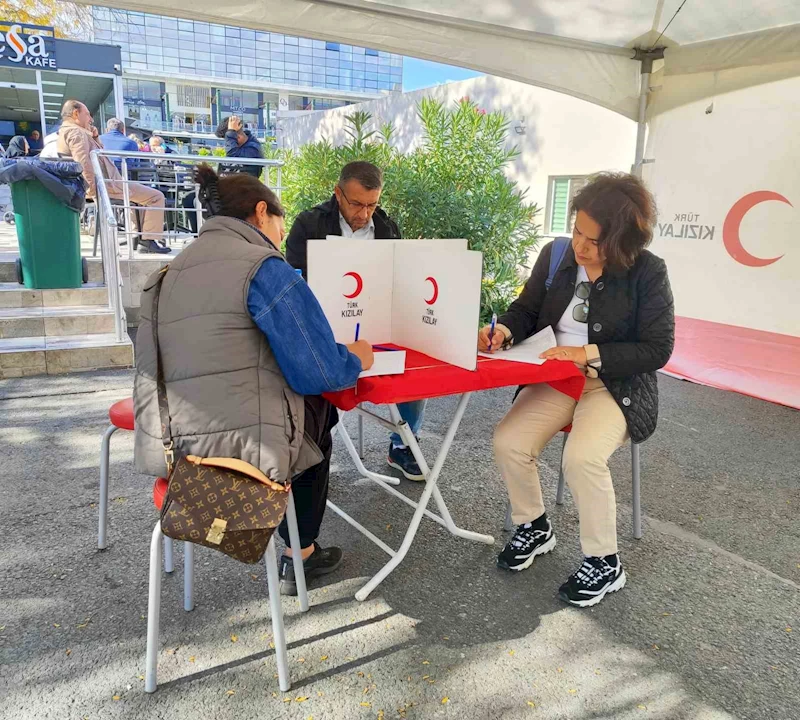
{"points": [[365, 233], [570, 332]]}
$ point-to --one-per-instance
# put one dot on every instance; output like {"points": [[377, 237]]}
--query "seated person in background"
{"points": [[611, 308], [114, 139], [238, 143], [157, 145], [246, 353], [35, 142], [17, 147], [353, 212], [141, 144], [77, 138], [50, 148]]}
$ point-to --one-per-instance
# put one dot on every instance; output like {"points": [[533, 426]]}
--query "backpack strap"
{"points": [[557, 253]]}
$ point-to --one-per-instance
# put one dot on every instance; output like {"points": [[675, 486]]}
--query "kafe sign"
{"points": [[30, 46]]}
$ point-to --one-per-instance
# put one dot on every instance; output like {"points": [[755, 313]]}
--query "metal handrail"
{"points": [[106, 216]]}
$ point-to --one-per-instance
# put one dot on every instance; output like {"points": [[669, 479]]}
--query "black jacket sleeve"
{"points": [[655, 328], [523, 314], [297, 245]]}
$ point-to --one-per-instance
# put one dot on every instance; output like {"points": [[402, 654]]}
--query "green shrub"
{"points": [[452, 186]]}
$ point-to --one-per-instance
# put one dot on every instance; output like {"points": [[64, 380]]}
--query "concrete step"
{"points": [[8, 270], [55, 321], [13, 295], [21, 357]]}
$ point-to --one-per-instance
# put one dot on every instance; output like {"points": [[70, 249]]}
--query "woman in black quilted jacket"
{"points": [[610, 304]]}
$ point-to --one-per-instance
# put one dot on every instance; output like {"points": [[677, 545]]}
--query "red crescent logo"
{"points": [[730, 228], [435, 296], [359, 284]]}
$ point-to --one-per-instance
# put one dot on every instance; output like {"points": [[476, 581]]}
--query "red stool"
{"points": [[636, 491], [121, 416]]}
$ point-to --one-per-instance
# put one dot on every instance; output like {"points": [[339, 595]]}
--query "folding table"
{"points": [[428, 378]]}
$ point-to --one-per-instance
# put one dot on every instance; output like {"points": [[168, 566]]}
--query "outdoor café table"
{"points": [[428, 378]]}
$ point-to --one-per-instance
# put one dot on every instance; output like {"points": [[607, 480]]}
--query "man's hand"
{"points": [[363, 351], [497, 339], [570, 354], [235, 123], [95, 132]]}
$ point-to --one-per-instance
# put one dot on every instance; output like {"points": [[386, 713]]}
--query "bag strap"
{"points": [[557, 253], [161, 385]]}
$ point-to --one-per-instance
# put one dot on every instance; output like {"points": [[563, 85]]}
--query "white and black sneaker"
{"points": [[531, 539], [590, 583]]}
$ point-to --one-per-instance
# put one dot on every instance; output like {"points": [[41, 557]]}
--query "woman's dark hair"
{"points": [[624, 209], [234, 195]]}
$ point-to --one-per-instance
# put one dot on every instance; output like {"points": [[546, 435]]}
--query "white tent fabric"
{"points": [[578, 47]]}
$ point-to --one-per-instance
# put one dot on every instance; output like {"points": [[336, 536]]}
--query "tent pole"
{"points": [[645, 57]]}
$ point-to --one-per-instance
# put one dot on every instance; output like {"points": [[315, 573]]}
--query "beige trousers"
{"points": [[152, 220], [598, 429]]}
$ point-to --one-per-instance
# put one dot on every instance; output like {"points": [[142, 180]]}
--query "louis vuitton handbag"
{"points": [[222, 503]]}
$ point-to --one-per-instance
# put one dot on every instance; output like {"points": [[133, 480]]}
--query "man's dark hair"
{"points": [[222, 128], [69, 107], [369, 176], [625, 211]]}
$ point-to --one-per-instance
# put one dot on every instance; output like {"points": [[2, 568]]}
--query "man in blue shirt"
{"points": [[114, 138]]}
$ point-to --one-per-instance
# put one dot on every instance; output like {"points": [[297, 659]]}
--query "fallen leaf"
{"points": [[425, 677], [234, 638], [510, 652], [665, 614], [230, 692], [56, 625], [349, 658], [301, 698], [531, 703], [287, 700], [655, 647], [3, 627], [445, 700], [366, 704], [301, 660], [323, 658], [140, 677], [274, 694], [191, 658], [253, 577], [388, 527], [366, 690], [597, 672], [116, 697], [425, 662], [560, 669], [788, 629], [272, 646], [68, 652], [572, 691], [320, 693], [360, 674], [642, 707], [445, 638]]}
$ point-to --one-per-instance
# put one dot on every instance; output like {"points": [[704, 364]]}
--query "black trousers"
{"points": [[191, 214], [310, 488]]}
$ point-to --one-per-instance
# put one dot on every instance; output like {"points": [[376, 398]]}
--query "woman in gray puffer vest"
{"points": [[246, 353]]}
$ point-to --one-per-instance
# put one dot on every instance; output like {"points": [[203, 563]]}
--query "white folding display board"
{"points": [[421, 294]]}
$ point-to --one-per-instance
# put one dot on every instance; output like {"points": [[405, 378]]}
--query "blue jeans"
{"points": [[413, 413]]}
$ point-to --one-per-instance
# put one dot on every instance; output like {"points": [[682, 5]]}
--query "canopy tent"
{"points": [[646, 59]]}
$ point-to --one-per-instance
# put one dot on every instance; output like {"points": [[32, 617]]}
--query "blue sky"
{"points": [[419, 74]]}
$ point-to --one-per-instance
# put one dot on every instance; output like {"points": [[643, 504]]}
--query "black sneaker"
{"points": [[589, 584], [151, 246], [321, 562], [402, 459], [531, 539]]}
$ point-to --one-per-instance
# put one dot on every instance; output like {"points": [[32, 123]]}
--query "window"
{"points": [[560, 192], [332, 46]]}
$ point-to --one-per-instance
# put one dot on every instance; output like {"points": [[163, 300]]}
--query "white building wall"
{"points": [[563, 136]]}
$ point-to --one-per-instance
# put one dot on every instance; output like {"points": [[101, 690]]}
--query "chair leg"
{"points": [[105, 449], [153, 611], [508, 525], [276, 612], [560, 491], [188, 576], [361, 436], [636, 493], [169, 560], [297, 554]]}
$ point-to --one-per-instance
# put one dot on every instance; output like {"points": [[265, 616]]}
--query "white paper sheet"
{"points": [[387, 363], [527, 351]]}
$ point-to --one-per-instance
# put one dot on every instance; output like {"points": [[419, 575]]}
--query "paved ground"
{"points": [[706, 629]]}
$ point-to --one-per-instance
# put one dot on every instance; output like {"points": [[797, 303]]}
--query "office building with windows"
{"points": [[181, 77]]}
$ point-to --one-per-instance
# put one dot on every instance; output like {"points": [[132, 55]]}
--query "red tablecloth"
{"points": [[427, 378]]}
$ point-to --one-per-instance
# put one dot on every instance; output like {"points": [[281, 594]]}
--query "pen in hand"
{"points": [[491, 330]]}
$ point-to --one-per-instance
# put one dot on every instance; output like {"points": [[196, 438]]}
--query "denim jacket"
{"points": [[287, 312]]}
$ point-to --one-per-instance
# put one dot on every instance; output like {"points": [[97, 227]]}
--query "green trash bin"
{"points": [[49, 239]]}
